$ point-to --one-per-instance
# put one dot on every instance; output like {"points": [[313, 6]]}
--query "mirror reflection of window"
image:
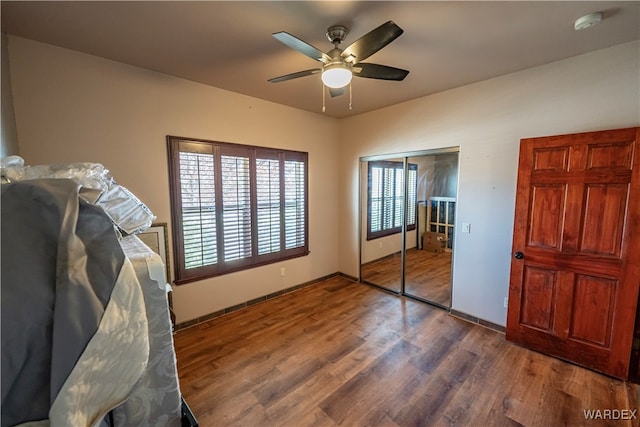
{"points": [[385, 196]]}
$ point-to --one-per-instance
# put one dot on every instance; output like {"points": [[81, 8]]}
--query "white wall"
{"points": [[71, 107], [599, 90]]}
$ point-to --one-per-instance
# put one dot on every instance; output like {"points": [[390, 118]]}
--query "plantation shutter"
{"points": [[269, 217], [235, 206], [197, 188], [294, 203]]}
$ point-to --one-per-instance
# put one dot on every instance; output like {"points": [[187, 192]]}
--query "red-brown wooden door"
{"points": [[575, 270]]}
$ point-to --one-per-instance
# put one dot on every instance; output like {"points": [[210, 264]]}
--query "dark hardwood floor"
{"points": [[344, 353]]}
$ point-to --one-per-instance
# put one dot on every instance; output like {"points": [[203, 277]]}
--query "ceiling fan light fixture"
{"points": [[336, 75]]}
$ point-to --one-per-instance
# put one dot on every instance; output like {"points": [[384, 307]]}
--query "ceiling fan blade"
{"points": [[377, 71], [295, 75], [336, 91], [302, 47], [373, 41]]}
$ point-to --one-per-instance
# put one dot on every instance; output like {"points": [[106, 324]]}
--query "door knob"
{"points": [[518, 255]]}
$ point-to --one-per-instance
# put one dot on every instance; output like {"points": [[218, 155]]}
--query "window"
{"points": [[235, 206], [385, 201]]}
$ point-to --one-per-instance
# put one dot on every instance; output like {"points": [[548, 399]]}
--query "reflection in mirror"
{"points": [[430, 246], [382, 198]]}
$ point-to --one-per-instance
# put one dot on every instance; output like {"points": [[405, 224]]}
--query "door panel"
{"points": [[610, 156], [537, 298], [573, 293], [550, 159], [547, 205], [603, 219], [592, 322]]}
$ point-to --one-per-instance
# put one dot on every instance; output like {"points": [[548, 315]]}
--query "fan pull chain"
{"points": [[350, 96], [323, 95]]}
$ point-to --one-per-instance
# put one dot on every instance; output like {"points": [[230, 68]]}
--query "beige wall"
{"points": [[599, 90], [75, 107]]}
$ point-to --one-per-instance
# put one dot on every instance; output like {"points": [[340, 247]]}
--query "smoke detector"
{"points": [[587, 21]]}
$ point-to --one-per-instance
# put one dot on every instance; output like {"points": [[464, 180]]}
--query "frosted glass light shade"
{"points": [[336, 75]]}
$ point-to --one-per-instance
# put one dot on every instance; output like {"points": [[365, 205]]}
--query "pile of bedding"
{"points": [[76, 332], [72, 308]]}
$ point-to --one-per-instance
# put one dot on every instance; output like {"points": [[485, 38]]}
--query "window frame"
{"points": [[217, 149], [395, 165]]}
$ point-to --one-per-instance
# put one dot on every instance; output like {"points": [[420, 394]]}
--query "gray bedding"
{"points": [[60, 261]]}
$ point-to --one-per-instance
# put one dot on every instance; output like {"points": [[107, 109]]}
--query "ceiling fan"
{"points": [[339, 65]]}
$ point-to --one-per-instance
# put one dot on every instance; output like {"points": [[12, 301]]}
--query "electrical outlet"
{"points": [[282, 271], [506, 302]]}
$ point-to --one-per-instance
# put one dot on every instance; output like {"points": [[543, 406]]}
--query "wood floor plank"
{"points": [[363, 399], [340, 353], [303, 402]]}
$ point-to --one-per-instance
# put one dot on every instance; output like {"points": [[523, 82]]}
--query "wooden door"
{"points": [[575, 270]]}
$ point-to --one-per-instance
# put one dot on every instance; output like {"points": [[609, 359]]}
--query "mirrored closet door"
{"points": [[382, 191], [408, 207]]}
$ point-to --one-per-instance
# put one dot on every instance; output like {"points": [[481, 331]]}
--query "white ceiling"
{"points": [[228, 44]]}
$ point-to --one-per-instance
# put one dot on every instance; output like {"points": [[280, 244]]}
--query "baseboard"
{"points": [[481, 322], [346, 276], [207, 317], [249, 303]]}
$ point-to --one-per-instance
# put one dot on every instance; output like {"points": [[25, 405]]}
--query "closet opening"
{"points": [[407, 223]]}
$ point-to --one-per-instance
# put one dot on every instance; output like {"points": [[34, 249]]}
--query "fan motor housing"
{"points": [[337, 33]]}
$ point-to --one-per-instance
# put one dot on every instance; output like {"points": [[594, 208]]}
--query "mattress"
{"points": [[155, 401]]}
